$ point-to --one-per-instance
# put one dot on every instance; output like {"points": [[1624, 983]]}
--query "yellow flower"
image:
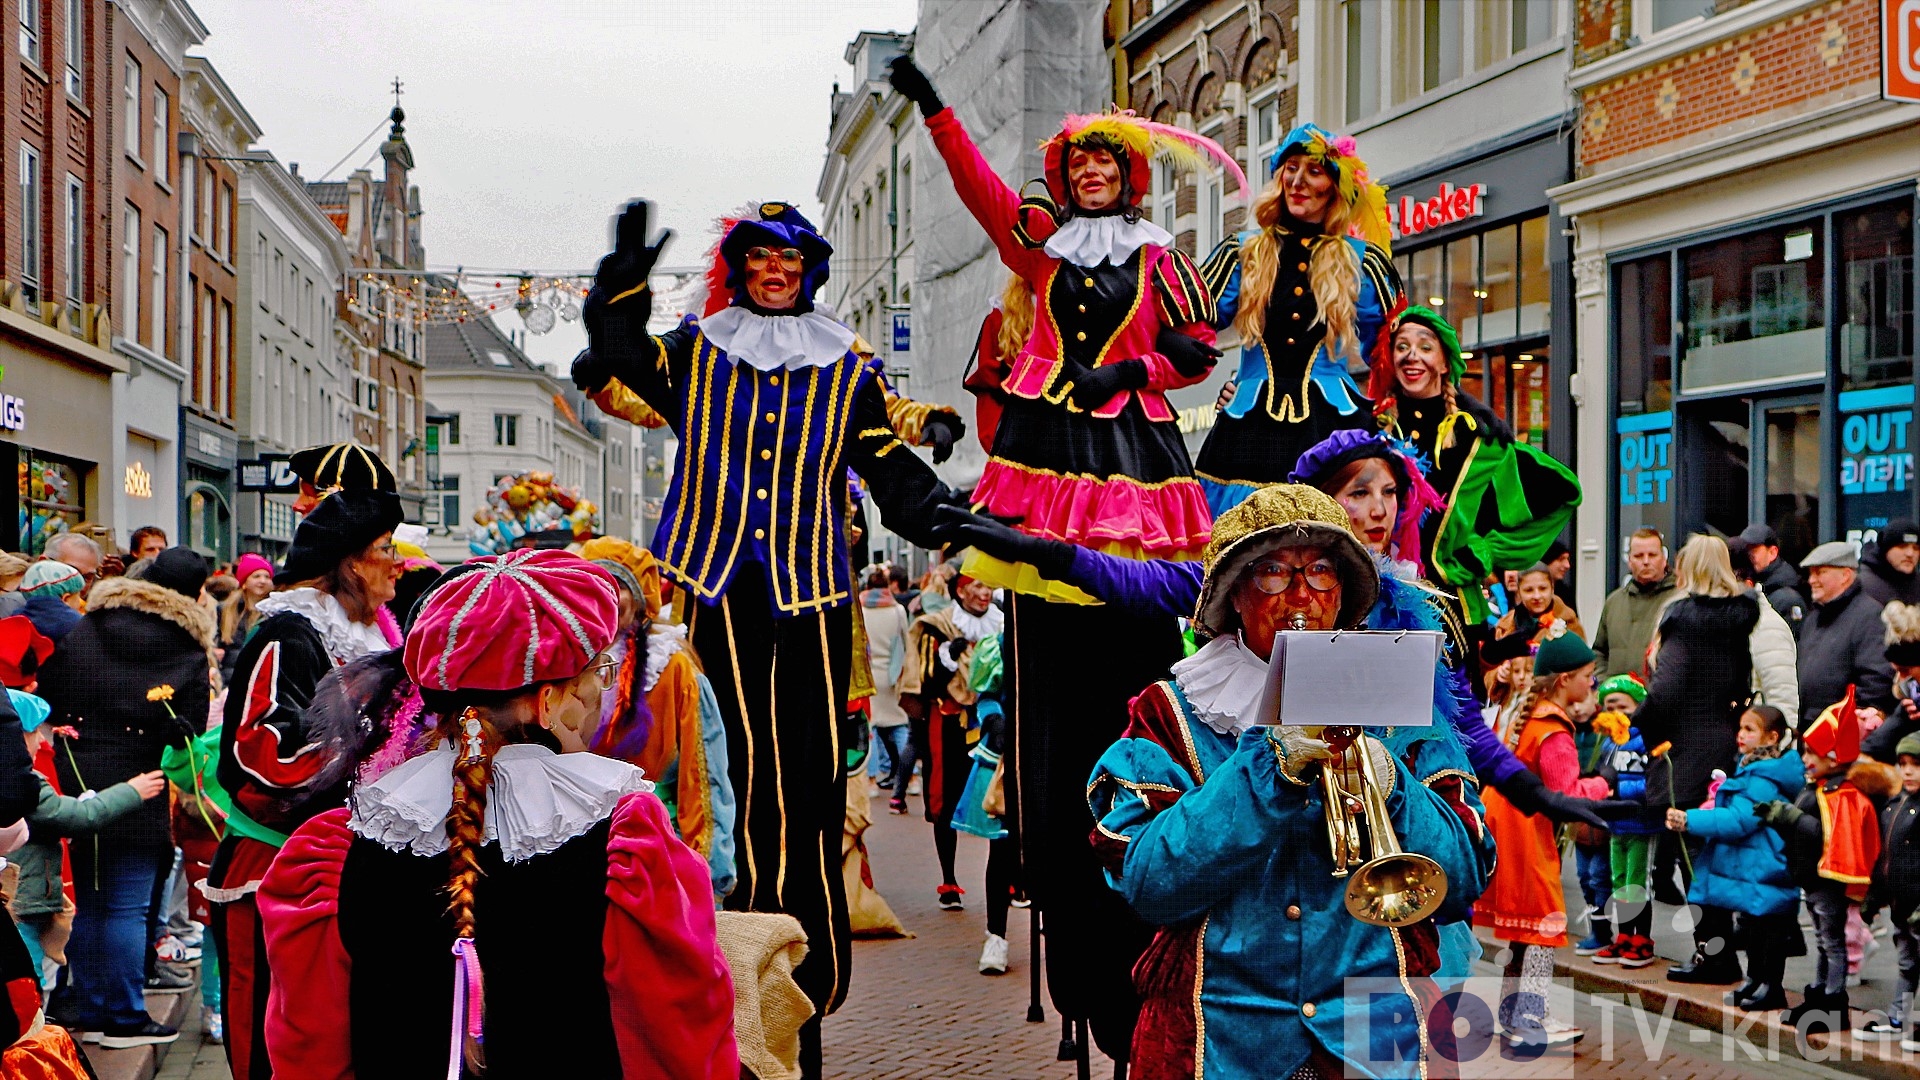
{"points": [[1661, 750], [162, 692], [1613, 725]]}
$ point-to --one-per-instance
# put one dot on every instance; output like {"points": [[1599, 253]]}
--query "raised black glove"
{"points": [[633, 257], [913, 84], [1189, 356], [589, 374], [962, 528], [1529, 794], [940, 431], [1097, 387]]}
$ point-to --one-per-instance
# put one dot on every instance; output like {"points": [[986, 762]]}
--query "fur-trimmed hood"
{"points": [[133, 594]]}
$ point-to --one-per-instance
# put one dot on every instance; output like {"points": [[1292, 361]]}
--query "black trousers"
{"points": [[1071, 670], [782, 687]]}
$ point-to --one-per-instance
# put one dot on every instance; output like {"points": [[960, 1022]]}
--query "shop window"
{"points": [[1792, 449], [1536, 278], [1462, 307], [1753, 309], [1499, 291], [1644, 349], [53, 496], [209, 520], [1876, 257], [1423, 279]]}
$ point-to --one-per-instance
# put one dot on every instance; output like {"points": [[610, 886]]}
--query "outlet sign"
{"points": [[1411, 217]]}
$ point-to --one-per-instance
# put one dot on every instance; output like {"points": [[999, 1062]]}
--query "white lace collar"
{"points": [[538, 800], [975, 627], [772, 342], [663, 640], [1090, 241], [1222, 683], [344, 639]]}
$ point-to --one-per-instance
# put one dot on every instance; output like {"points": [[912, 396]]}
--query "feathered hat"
{"points": [[1341, 156], [1380, 375], [1322, 461], [769, 224], [1835, 733], [1135, 141]]}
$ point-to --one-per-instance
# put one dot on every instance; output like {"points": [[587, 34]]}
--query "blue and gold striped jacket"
{"points": [[760, 483]]}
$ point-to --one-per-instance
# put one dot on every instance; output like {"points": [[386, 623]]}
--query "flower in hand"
{"points": [[1613, 725], [163, 692], [1676, 819]]}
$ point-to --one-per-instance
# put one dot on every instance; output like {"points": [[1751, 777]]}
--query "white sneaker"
{"points": [[1560, 1034], [993, 956], [1910, 1045], [212, 1028], [174, 950]]}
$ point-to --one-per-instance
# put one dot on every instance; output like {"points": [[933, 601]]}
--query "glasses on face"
{"points": [[1273, 577], [607, 668], [788, 257], [388, 549]]}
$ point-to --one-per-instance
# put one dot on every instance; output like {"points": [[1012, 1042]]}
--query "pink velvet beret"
{"points": [[517, 619]]}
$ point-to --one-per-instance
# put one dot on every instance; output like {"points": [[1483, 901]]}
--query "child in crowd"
{"points": [[1620, 696], [1624, 763], [1896, 885], [1524, 903], [1742, 872], [1833, 842], [1538, 613]]}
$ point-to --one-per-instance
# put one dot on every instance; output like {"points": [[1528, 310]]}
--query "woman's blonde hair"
{"points": [[1705, 568], [13, 567], [1016, 318], [237, 616], [1334, 271]]}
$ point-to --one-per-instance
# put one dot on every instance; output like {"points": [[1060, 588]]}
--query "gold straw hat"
{"points": [[1283, 516]]}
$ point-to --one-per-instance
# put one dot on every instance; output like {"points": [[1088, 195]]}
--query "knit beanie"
{"points": [[1623, 684], [50, 578], [251, 563], [181, 569], [1909, 747], [1560, 655]]}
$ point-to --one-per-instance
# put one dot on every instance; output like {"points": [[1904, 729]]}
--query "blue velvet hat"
{"points": [[778, 225]]}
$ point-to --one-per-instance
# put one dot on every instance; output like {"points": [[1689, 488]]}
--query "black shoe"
{"points": [[168, 980], [1834, 1015], [1816, 1002], [125, 1036], [1737, 996], [1765, 998], [1707, 970]]}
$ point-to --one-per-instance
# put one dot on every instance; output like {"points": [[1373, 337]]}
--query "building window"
{"points": [[76, 238], [1441, 50], [1532, 23], [223, 372], [1266, 139], [135, 131], [1207, 232], [204, 218], [453, 430], [506, 429], [30, 30], [1363, 59], [203, 351], [130, 272], [449, 501], [260, 269], [223, 223], [157, 308], [1666, 14], [162, 160], [30, 248], [1752, 308], [906, 198], [76, 47], [1163, 180]]}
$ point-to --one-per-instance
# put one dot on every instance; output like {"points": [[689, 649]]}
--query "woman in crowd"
{"points": [[886, 621], [1308, 291], [585, 887], [12, 569], [1199, 794], [336, 581], [240, 613], [1507, 502]]}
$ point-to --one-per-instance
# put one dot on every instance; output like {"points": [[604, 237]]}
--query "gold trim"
{"points": [[1199, 1014], [1144, 485], [636, 290], [838, 996], [1419, 1016], [779, 771], [726, 440], [745, 821]]}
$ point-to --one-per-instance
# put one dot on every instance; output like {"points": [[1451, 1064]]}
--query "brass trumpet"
{"points": [[1393, 887]]}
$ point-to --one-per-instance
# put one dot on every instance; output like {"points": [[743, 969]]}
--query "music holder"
{"points": [[1351, 678]]}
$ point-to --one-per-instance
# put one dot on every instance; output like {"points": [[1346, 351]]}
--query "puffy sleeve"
{"points": [[668, 984], [307, 1017], [903, 486], [1183, 305], [1136, 586], [1221, 275], [617, 399], [987, 197], [691, 787]]}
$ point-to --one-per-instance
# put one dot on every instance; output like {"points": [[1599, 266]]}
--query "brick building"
{"points": [[1743, 209]]}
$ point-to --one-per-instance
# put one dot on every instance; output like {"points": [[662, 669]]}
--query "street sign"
{"points": [[903, 328], [269, 473], [1900, 50]]}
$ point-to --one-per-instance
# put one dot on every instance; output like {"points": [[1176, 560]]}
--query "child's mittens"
{"points": [[1778, 813]]}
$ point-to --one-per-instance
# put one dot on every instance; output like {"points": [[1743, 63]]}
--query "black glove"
{"points": [[1189, 356], [1097, 387], [1530, 795], [589, 374], [940, 431], [913, 84], [1778, 813], [633, 258], [962, 528]]}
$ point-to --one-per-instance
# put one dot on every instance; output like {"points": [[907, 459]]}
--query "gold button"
{"points": [[1083, 309], [1293, 911], [760, 493], [759, 534], [1297, 290], [1289, 341], [769, 418], [776, 380], [1308, 1010], [1303, 266], [765, 455], [1296, 316], [1080, 335], [1089, 283]]}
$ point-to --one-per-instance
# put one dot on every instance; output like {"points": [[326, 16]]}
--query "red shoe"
{"points": [[1611, 952], [950, 898], [1638, 953]]}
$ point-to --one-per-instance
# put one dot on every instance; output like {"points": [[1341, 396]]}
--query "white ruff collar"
{"points": [[344, 639], [1222, 682], [772, 342], [538, 800], [1090, 241], [663, 641], [974, 626]]}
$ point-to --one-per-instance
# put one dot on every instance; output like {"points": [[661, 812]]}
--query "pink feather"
{"points": [[1217, 151]]}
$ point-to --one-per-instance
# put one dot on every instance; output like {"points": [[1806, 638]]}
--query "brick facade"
{"points": [[148, 182], [1829, 52]]}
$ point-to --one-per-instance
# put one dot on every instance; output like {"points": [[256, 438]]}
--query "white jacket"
{"points": [[1775, 672]]}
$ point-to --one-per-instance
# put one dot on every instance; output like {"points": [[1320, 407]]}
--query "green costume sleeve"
{"points": [[1510, 504]]}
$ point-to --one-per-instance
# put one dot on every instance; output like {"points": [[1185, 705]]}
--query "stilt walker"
{"points": [[1086, 451], [772, 406]]}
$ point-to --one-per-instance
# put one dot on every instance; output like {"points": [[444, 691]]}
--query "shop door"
{"points": [[1787, 487]]}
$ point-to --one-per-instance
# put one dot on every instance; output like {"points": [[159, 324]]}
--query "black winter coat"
{"points": [[1896, 880], [1702, 678], [1842, 643], [1807, 837], [1882, 582], [1781, 584], [135, 636]]}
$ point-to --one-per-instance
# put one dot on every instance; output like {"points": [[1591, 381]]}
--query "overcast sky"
{"points": [[531, 121]]}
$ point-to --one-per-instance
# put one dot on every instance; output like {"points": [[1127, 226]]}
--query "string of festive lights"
{"points": [[541, 300]]}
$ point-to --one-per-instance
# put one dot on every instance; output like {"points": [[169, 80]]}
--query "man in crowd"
{"points": [[1843, 642], [148, 541], [1628, 617], [77, 551], [1887, 563], [1559, 563], [1773, 575]]}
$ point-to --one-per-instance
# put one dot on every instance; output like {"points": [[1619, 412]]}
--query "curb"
{"points": [[1702, 1007]]}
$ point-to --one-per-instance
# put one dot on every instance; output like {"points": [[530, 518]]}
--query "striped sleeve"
{"points": [[1220, 264], [1380, 272], [1180, 293]]}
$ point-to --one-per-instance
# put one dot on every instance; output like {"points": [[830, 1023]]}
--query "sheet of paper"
{"points": [[1359, 678]]}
